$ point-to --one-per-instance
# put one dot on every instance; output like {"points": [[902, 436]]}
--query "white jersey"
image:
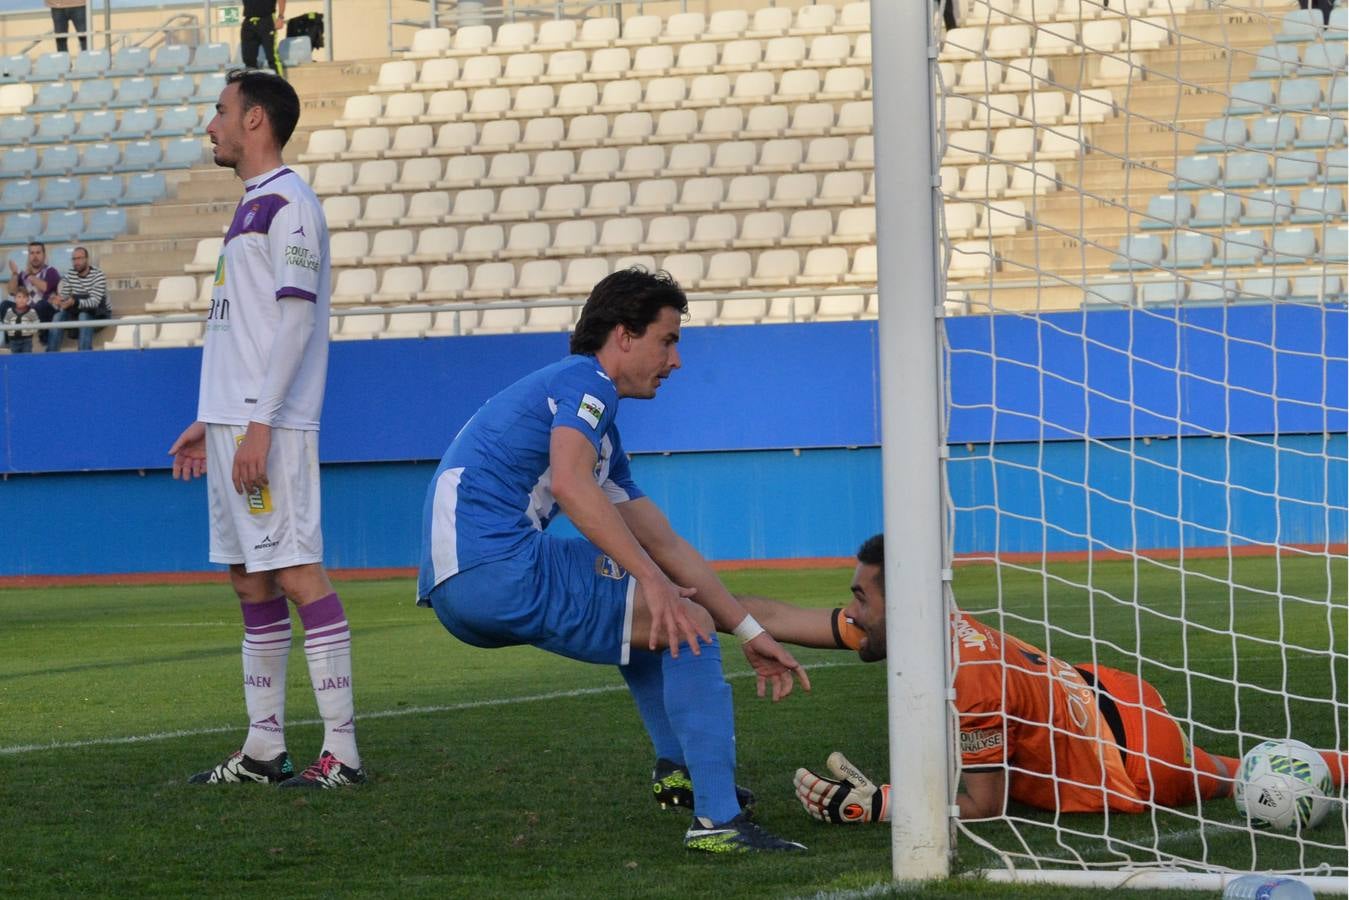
{"points": [[277, 246]]}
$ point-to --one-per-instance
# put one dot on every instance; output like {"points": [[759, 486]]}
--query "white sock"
{"points": [[327, 648], [265, 651]]}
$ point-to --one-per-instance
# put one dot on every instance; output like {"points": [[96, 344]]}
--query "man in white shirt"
{"points": [[264, 365]]}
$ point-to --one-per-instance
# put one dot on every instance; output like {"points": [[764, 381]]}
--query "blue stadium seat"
{"points": [[58, 193], [140, 156], [1166, 211], [1320, 131], [1293, 245], [1163, 293], [138, 91], [1240, 248], [210, 58], [18, 194], [17, 129], [175, 89], [59, 160], [50, 67], [1336, 248], [19, 256], [177, 121], [1299, 94], [1268, 207], [90, 64], [1272, 132], [16, 67], [1114, 295], [145, 187], [96, 126], [130, 61], [1139, 251], [1320, 288], [52, 97], [20, 228], [1190, 251], [1316, 205], [105, 224], [1337, 98], [62, 225], [295, 51], [1297, 167], [1322, 59], [209, 88], [1250, 97], [96, 93], [1263, 289], [183, 153], [1301, 25], [18, 162], [1337, 29], [1194, 172], [1216, 209], [1218, 290], [62, 259], [1337, 166], [1245, 170], [1275, 61], [98, 158], [1222, 134], [56, 128], [135, 124], [101, 190], [170, 59]]}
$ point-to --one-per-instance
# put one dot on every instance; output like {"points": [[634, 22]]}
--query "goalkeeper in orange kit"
{"points": [[1045, 733]]}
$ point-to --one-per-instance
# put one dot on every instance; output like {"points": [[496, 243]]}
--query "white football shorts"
{"points": [[277, 526]]}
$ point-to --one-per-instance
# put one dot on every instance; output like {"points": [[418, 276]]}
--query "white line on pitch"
{"points": [[380, 714]]}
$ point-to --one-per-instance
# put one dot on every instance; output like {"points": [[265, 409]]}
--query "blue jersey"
{"points": [[493, 491]]}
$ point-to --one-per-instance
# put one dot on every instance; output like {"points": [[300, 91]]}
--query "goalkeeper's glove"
{"points": [[851, 799]]}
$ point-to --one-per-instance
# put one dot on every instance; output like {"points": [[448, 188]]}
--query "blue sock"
{"points": [[646, 682], [698, 703]]}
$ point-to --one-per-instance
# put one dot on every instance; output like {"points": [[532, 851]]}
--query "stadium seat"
{"points": [[1320, 288], [469, 40], [1268, 207], [1250, 97], [215, 57], [542, 133], [175, 121], [1245, 170], [17, 162], [1336, 166], [353, 286], [325, 144], [99, 190], [1222, 134], [93, 126], [360, 324], [812, 227], [64, 225], [209, 87], [988, 180], [15, 98], [341, 212], [383, 211], [360, 109], [1218, 291], [1263, 289], [174, 293], [639, 29], [19, 194], [656, 61], [1300, 25], [183, 153], [406, 325], [139, 91], [1114, 294], [1194, 172], [174, 334], [1299, 94], [293, 52], [428, 42], [1336, 245], [1271, 132], [169, 59], [1296, 168], [104, 224], [709, 90], [52, 97], [57, 161], [1321, 59], [206, 256], [139, 156], [728, 269], [1320, 131], [1215, 209], [966, 147], [50, 67], [1316, 205], [1275, 61], [367, 143], [747, 192], [390, 245], [1139, 251], [1166, 211], [173, 90], [56, 128], [399, 284], [20, 228], [1240, 248], [404, 109], [1292, 246], [348, 248], [526, 239], [1189, 250]]}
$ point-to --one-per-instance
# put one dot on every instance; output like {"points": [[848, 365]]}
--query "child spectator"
{"points": [[20, 313]]}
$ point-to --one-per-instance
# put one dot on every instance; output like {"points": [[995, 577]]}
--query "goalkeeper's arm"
{"points": [[829, 629], [850, 797]]}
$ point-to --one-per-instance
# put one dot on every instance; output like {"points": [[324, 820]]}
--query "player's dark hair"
{"points": [[632, 298], [872, 551], [39, 244], [274, 94]]}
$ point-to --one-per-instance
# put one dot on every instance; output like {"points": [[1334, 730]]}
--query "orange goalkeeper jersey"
{"points": [[1038, 716]]}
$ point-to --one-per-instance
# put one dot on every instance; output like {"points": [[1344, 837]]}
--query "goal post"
{"points": [[1114, 371]]}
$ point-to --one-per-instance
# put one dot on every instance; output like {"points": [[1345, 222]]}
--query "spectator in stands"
{"points": [[64, 14], [262, 18], [948, 12], [83, 296], [19, 312], [41, 282], [1325, 6]]}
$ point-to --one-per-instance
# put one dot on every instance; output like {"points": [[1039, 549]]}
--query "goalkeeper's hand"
{"points": [[851, 799]]}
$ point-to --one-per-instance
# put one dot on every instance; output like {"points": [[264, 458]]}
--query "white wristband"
{"points": [[748, 629]]}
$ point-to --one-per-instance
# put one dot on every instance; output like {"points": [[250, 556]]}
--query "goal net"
{"points": [[1144, 377]]}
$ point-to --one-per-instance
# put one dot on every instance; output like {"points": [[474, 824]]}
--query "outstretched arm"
{"points": [[803, 626]]}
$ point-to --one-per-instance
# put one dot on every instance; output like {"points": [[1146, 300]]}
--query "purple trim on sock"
{"points": [[322, 613], [282, 627], [256, 644], [327, 631], [261, 615], [321, 646]]}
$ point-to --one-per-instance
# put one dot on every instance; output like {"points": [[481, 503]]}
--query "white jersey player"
{"points": [[263, 370]]}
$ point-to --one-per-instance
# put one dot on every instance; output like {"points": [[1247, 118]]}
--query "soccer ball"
{"points": [[1283, 785]]}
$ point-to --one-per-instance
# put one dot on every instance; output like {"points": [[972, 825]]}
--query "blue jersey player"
{"points": [[631, 592]]}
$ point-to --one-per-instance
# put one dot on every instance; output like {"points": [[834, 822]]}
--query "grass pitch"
{"points": [[508, 772]]}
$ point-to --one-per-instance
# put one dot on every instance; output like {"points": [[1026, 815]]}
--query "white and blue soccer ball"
{"points": [[1283, 785]]}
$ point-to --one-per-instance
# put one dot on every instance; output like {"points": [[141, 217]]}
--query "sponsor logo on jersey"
{"points": [[259, 501], [970, 637], [220, 271], [590, 410], [607, 568], [299, 231], [975, 741], [248, 219], [302, 257]]}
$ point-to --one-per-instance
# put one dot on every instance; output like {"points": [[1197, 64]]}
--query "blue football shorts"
{"points": [[564, 595]]}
